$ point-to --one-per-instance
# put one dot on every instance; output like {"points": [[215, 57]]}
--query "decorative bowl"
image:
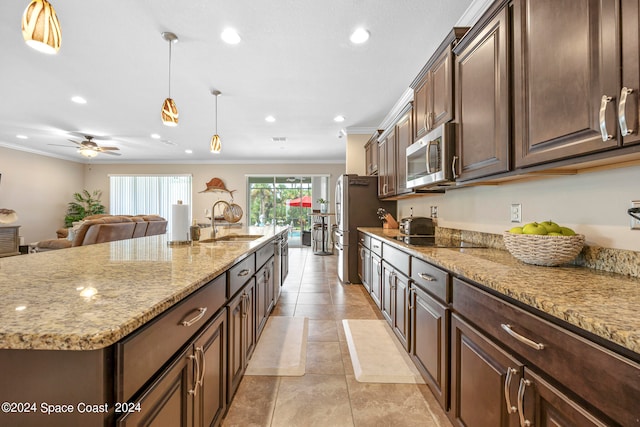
{"points": [[542, 249]]}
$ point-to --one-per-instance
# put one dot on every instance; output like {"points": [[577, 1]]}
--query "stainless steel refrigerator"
{"points": [[356, 205]]}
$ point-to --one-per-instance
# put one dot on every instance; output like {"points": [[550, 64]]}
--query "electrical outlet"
{"points": [[635, 223], [516, 212], [434, 212]]}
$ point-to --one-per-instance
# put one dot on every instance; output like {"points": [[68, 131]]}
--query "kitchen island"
{"points": [[506, 342], [65, 315]]}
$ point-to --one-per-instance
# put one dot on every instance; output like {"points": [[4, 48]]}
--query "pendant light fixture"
{"points": [[41, 28], [215, 146], [169, 109]]}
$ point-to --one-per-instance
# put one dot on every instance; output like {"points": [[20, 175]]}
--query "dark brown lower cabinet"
{"points": [[479, 378], [491, 388], [544, 405], [241, 315], [429, 326], [395, 301], [192, 390], [376, 279], [264, 295]]}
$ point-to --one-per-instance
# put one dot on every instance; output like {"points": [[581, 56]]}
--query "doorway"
{"points": [[286, 200]]}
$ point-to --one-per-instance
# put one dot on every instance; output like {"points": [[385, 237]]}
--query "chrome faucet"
{"points": [[213, 216]]}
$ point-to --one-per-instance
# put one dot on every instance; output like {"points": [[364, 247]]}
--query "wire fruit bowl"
{"points": [[542, 249]]}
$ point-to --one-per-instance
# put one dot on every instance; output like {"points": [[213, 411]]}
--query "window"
{"points": [[148, 194]]}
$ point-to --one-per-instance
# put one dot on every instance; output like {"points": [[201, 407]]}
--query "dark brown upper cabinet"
{"points": [[482, 97], [566, 78], [628, 110], [433, 88], [404, 138], [371, 154], [387, 165]]}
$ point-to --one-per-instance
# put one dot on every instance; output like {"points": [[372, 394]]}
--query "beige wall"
{"points": [[356, 162], [593, 204], [38, 188], [233, 175]]}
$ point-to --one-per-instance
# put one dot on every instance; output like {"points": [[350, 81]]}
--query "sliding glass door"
{"points": [[286, 200]]}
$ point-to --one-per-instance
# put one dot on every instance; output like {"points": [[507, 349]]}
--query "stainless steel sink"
{"points": [[230, 238]]}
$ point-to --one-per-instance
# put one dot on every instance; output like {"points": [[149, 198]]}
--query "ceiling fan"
{"points": [[88, 148]]}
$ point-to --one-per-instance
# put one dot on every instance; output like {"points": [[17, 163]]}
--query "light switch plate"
{"points": [[516, 212]]}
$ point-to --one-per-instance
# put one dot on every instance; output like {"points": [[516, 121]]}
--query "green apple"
{"points": [[534, 228], [566, 231], [551, 226], [516, 230], [554, 233]]}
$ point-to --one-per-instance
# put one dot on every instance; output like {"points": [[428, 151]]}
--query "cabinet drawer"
{"points": [[364, 240], [139, 356], [601, 377], [240, 273], [263, 254], [376, 246], [397, 258], [431, 279]]}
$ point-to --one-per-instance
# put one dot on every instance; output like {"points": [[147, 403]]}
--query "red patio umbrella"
{"points": [[304, 201]]}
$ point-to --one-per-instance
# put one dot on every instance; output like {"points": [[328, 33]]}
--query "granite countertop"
{"points": [[89, 297], [605, 304]]}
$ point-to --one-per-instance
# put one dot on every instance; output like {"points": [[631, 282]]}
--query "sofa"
{"points": [[105, 228]]}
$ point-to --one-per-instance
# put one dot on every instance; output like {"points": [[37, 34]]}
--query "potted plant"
{"points": [[85, 204], [324, 205]]}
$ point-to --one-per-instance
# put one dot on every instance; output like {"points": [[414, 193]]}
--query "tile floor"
{"points": [[328, 394]]}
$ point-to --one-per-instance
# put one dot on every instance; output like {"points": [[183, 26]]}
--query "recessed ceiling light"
{"points": [[155, 136], [230, 36], [359, 36], [338, 119], [22, 137], [21, 308], [270, 119], [79, 100], [188, 151]]}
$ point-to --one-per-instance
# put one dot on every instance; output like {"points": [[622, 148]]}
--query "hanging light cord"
{"points": [[216, 114], [170, 42]]}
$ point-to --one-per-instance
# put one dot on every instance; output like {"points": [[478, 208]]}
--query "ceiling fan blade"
{"points": [[109, 148], [75, 142], [111, 153], [60, 145]]}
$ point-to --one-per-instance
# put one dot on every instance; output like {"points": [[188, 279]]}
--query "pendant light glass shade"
{"points": [[215, 145], [41, 28], [169, 112], [88, 152]]}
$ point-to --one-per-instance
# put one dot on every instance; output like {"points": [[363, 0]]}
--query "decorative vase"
{"points": [[323, 207]]}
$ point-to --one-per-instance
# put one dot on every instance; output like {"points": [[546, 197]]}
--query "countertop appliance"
{"points": [[417, 225], [431, 159], [356, 205]]}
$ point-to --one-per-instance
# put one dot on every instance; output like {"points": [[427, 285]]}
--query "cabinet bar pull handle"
{"points": [[523, 385], [524, 340], [244, 272], [507, 385], [622, 112], [429, 144], [453, 167], [603, 117], [427, 277], [194, 390], [424, 121], [204, 365], [201, 312]]}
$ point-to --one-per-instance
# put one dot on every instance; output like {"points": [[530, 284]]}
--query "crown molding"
{"points": [[473, 13]]}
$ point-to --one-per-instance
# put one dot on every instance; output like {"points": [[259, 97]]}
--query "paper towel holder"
{"points": [[188, 240]]}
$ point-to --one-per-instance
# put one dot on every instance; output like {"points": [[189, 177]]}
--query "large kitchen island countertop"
{"points": [[604, 304], [89, 297]]}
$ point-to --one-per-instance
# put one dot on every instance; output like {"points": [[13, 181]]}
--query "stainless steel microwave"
{"points": [[430, 160]]}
